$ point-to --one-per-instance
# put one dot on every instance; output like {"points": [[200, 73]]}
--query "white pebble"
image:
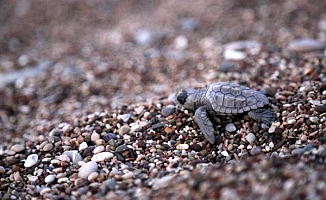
{"points": [[98, 149], [31, 160], [225, 153], [234, 55], [44, 191], [83, 146], [102, 156], [250, 137], [63, 180], [291, 120], [314, 119], [74, 156], [49, 178], [182, 146], [92, 176], [230, 127], [17, 148], [181, 42], [88, 168]]}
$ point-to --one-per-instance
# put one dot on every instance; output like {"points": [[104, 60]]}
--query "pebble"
{"points": [[306, 45], [230, 127], [83, 146], [320, 109], [95, 136], [17, 148], [2, 170], [102, 156], [74, 156], [183, 146], [255, 151], [168, 110], [45, 190], [250, 137], [234, 55], [134, 128], [123, 130], [33, 179], [110, 184], [291, 120], [122, 148], [163, 182], [48, 147], [225, 153], [92, 176], [297, 151], [188, 24], [88, 168], [98, 149], [181, 42], [196, 147], [49, 178], [31, 160], [63, 180], [252, 45], [314, 119]]}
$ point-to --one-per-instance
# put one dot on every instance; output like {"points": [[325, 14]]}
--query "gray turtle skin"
{"points": [[224, 98]]}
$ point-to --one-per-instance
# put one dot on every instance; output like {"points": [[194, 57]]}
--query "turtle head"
{"points": [[186, 98]]}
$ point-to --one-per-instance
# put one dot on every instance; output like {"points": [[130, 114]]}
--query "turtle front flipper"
{"points": [[264, 115], [205, 124]]}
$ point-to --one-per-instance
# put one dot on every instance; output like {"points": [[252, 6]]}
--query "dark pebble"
{"points": [[111, 184], [278, 145], [158, 125], [166, 111], [278, 130], [109, 136], [13, 161], [255, 151], [88, 151], [195, 147], [122, 148], [320, 109]]}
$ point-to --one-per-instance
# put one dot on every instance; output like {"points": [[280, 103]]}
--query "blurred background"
{"points": [[60, 60]]}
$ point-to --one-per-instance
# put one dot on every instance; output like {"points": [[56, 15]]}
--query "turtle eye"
{"points": [[182, 97]]}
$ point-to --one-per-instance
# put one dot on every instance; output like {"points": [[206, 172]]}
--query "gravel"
{"points": [[98, 120]]}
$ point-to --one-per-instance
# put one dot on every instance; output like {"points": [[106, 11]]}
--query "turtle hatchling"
{"points": [[224, 98]]}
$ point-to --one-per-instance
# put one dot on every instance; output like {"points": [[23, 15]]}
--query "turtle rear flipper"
{"points": [[264, 115], [205, 124]]}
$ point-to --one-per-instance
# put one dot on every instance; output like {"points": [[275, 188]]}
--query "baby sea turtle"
{"points": [[224, 98]]}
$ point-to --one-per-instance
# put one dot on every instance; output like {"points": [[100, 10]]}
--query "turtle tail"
{"points": [[264, 115]]}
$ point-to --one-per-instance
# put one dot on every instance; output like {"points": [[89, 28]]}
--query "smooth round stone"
{"points": [[272, 129], [183, 146], [255, 151], [110, 184], [45, 190], [83, 146], [297, 151], [2, 170], [225, 153], [31, 160], [109, 136], [320, 109], [17, 148], [314, 119], [33, 179], [291, 120], [93, 176], [49, 178], [230, 127], [98, 149], [123, 130], [95, 136], [74, 156], [196, 147], [308, 147], [122, 148], [243, 45], [63, 180], [134, 128], [48, 147], [88, 168], [102, 156], [162, 182], [128, 175], [181, 42], [63, 158], [306, 45], [250, 137], [168, 110], [234, 55]]}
